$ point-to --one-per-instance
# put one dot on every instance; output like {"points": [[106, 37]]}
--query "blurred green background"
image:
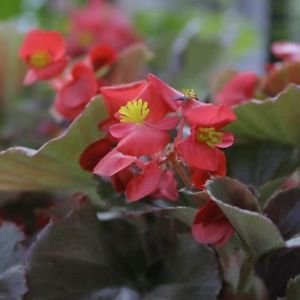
{"points": [[192, 41]]}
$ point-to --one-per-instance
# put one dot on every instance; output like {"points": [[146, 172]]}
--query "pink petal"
{"points": [[120, 130], [145, 184], [169, 94], [227, 140], [166, 123], [143, 140], [286, 50], [239, 89], [210, 115], [198, 155], [112, 163]]}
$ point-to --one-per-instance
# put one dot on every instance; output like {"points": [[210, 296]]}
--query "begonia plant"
{"points": [[145, 191]]}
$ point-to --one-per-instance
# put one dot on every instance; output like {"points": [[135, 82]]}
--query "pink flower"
{"points": [[45, 54], [211, 226], [201, 148], [76, 92]]}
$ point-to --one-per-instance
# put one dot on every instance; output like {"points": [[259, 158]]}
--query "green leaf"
{"points": [[277, 268], [55, 165], [256, 163], [293, 289], [12, 274], [284, 210], [67, 261], [257, 231], [189, 273], [141, 256], [183, 213], [272, 119], [10, 8]]}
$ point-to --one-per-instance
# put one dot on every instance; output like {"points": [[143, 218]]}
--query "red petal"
{"points": [[102, 55], [211, 226], [200, 176], [117, 96], [158, 105], [120, 130], [145, 184], [165, 124], [93, 153], [167, 187], [227, 140], [169, 94], [239, 89], [210, 115], [143, 140], [75, 94], [112, 163], [198, 155]]}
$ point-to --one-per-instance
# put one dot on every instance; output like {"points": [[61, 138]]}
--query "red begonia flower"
{"points": [[101, 56], [200, 176], [286, 51], [211, 226], [140, 112], [45, 54], [100, 21], [75, 93], [239, 89], [200, 149], [161, 98]]}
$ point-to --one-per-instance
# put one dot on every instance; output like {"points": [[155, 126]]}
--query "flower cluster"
{"points": [[158, 139], [76, 79]]}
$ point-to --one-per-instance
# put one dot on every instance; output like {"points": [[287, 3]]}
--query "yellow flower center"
{"points": [[189, 94], [134, 111], [40, 59], [209, 136]]}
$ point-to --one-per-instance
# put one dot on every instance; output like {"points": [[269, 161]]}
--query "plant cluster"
{"points": [[146, 191]]}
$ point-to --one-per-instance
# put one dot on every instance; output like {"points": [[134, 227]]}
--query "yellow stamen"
{"points": [[40, 59], [189, 94], [209, 136], [134, 111]]}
